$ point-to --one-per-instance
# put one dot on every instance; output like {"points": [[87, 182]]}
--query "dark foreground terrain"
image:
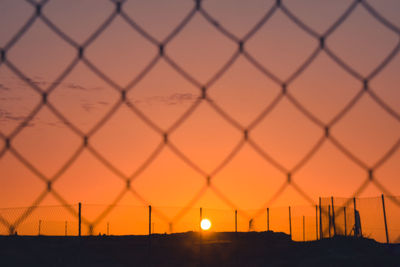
{"points": [[188, 249]]}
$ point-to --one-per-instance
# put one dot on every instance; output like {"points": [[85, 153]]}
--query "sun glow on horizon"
{"points": [[205, 224]]}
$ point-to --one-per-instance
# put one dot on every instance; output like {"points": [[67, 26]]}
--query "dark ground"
{"points": [[216, 249]]}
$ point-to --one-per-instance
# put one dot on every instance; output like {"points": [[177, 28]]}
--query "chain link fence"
{"points": [[377, 218], [93, 221]]}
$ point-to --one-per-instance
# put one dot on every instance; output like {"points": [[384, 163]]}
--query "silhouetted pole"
{"points": [[66, 228], [316, 221], [345, 221], [201, 217], [290, 223], [321, 233], [40, 223], [149, 233], [304, 228], [79, 218], [384, 217], [149, 220], [235, 221], [108, 228], [355, 217], [330, 219], [268, 219], [333, 217], [201, 239]]}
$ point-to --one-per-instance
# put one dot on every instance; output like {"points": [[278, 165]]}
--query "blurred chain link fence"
{"points": [[14, 222]]}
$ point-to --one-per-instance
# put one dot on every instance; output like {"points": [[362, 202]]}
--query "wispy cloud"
{"points": [[9, 117], [103, 103], [92, 106], [4, 88], [170, 100], [75, 86], [42, 83]]}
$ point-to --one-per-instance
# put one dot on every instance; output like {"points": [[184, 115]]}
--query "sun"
{"points": [[205, 224]]}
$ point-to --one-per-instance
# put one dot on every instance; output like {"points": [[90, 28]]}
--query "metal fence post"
{"points": [[355, 218], [235, 221], [316, 222], [333, 217], [149, 220], [345, 221], [201, 239], [201, 216], [304, 228], [149, 234], [170, 227], [321, 233], [267, 219], [384, 217], [290, 223], [330, 220], [79, 218]]}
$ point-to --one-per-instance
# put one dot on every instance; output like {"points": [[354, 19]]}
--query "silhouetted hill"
{"points": [[188, 249]]}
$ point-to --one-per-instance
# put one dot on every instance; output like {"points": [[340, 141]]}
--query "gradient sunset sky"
{"points": [[205, 137]]}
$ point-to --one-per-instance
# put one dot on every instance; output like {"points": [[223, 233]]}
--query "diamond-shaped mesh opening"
{"points": [[243, 91], [17, 101], [387, 11], [324, 88], [213, 134], [41, 55], [169, 15], [83, 98], [323, 175], [330, 11], [137, 141], [156, 182], [249, 180], [199, 58], [40, 143], [8, 8], [362, 126], [164, 95], [281, 51], [86, 18], [355, 42], [130, 52], [94, 180], [237, 16], [16, 179], [385, 83], [286, 123]]}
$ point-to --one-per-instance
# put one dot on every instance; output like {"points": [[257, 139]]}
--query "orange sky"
{"points": [[206, 138]]}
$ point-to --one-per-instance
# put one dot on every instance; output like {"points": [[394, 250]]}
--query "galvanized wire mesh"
{"points": [[203, 88]]}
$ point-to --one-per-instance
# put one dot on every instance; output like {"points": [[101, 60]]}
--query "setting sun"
{"points": [[205, 224]]}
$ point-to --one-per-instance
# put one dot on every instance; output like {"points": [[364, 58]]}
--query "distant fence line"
{"points": [[378, 219]]}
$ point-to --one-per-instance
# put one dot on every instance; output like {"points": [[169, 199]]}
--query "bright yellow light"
{"points": [[205, 224]]}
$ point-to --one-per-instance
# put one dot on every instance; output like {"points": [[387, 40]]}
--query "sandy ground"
{"points": [[191, 249]]}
